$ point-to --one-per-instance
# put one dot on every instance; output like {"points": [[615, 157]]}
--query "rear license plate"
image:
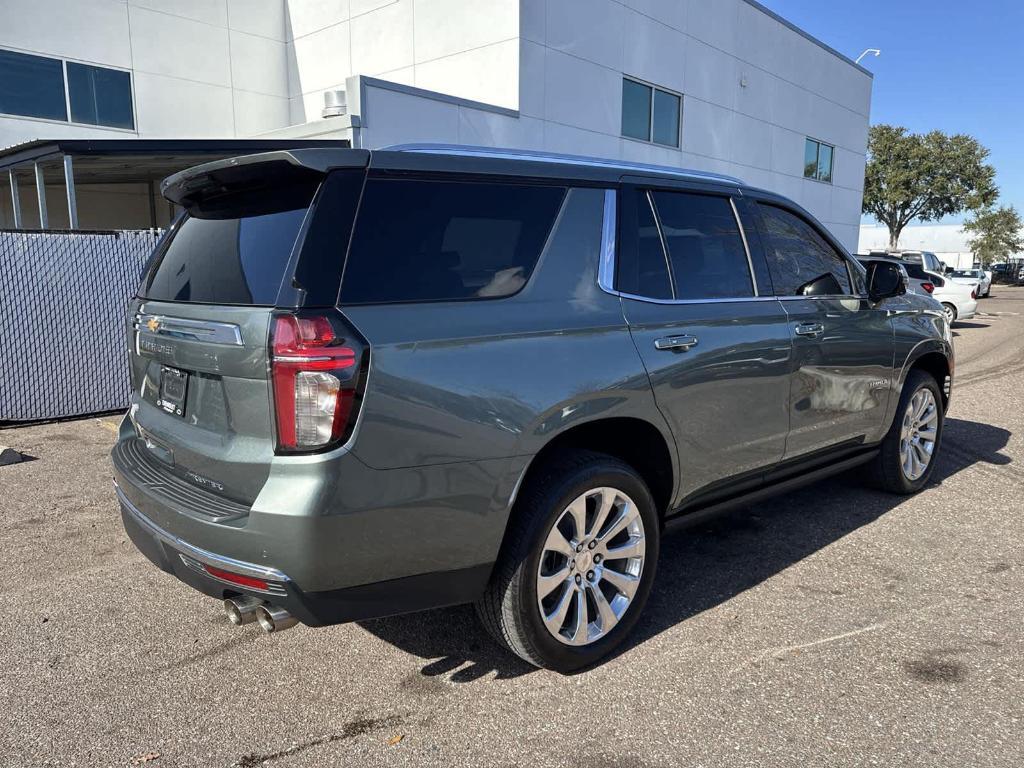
{"points": [[173, 387]]}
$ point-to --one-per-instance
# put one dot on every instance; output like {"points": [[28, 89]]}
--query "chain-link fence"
{"points": [[63, 299]]}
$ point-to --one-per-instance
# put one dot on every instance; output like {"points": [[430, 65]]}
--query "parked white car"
{"points": [[959, 300], [979, 276]]}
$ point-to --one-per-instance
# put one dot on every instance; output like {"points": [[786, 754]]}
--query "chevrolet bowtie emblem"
{"points": [[153, 324]]}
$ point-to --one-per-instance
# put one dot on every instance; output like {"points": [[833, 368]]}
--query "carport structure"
{"points": [[108, 184]]}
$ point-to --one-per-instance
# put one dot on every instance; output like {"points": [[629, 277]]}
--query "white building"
{"points": [[718, 85]]}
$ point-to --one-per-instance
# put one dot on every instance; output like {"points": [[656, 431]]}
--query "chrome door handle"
{"points": [[682, 343], [810, 329]]}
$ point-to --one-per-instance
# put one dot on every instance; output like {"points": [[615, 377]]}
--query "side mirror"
{"points": [[886, 281]]}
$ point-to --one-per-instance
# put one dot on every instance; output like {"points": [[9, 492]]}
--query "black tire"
{"points": [[887, 469], [951, 310], [509, 608]]}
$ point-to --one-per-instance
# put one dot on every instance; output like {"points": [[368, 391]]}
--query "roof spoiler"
{"points": [[201, 185]]}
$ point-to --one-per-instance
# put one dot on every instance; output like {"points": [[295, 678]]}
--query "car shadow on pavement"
{"points": [[705, 566]]}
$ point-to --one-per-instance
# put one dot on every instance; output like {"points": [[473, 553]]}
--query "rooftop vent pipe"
{"points": [[335, 104]]}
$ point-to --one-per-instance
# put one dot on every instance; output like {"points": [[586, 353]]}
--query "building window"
{"points": [[649, 113], [38, 86], [100, 96], [818, 160], [32, 86]]}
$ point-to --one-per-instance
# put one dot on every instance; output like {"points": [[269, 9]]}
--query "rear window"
{"points": [[229, 259], [426, 240]]}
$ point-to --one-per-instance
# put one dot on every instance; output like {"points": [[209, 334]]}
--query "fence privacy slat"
{"points": [[63, 304]]}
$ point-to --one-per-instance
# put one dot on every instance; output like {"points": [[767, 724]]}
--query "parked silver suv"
{"points": [[366, 383]]}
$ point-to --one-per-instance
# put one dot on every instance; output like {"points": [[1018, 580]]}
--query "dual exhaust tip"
{"points": [[246, 610]]}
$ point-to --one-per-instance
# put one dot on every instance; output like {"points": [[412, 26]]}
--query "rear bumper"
{"points": [[185, 561]]}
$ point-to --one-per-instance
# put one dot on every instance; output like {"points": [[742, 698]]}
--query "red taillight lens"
{"points": [[236, 578], [314, 376], [974, 294], [928, 287]]}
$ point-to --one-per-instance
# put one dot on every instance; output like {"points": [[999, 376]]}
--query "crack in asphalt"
{"points": [[351, 730]]}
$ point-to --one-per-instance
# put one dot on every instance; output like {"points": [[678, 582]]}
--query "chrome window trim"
{"points": [[746, 247], [606, 270], [609, 255], [664, 243]]}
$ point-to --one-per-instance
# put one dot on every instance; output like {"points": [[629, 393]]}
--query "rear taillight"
{"points": [[315, 371], [928, 287], [974, 294]]}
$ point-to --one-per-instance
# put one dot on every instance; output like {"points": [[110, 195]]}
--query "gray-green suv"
{"points": [[366, 383]]}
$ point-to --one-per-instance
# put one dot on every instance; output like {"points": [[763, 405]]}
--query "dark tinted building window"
{"points": [[100, 96], [424, 240], [225, 260], [32, 86], [801, 260], [642, 269], [704, 245]]}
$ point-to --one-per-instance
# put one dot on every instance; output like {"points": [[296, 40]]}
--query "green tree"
{"points": [[998, 234], [924, 176]]}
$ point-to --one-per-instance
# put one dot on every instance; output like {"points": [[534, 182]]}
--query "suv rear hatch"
{"points": [[223, 289]]}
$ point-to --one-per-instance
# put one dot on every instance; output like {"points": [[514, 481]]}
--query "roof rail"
{"points": [[553, 157]]}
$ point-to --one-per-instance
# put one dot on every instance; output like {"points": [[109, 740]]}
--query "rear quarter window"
{"points": [[230, 259], [431, 240]]}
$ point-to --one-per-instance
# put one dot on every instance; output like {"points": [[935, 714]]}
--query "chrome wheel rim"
{"points": [[950, 312], [918, 434], [591, 566]]}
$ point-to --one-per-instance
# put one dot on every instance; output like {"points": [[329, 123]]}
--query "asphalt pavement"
{"points": [[831, 626]]}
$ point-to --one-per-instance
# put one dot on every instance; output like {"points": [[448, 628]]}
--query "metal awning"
{"points": [[116, 161]]}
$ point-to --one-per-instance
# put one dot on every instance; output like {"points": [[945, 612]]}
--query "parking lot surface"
{"points": [[831, 626]]}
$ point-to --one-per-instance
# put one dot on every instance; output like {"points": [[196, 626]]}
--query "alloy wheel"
{"points": [[918, 434], [950, 312], [591, 566]]}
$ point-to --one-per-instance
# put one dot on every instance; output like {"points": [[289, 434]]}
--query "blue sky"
{"points": [[955, 66]]}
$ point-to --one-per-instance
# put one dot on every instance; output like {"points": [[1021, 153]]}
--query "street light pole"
{"points": [[872, 51]]}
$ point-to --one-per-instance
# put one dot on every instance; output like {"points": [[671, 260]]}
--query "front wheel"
{"points": [[908, 452], [577, 564]]}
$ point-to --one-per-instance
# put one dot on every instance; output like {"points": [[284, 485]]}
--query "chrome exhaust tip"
{"points": [[241, 610], [274, 619]]}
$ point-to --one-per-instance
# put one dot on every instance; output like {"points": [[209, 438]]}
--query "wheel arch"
{"points": [[630, 439], [934, 357]]}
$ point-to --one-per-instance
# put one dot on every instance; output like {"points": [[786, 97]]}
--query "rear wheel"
{"points": [[908, 453], [950, 312], [577, 564]]}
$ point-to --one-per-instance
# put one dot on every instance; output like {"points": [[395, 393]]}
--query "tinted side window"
{"points": [[227, 260], [704, 245], [801, 260], [916, 271], [642, 269], [424, 240]]}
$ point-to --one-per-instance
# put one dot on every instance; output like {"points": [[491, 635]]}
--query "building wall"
{"points": [[466, 48], [753, 90], [200, 68]]}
